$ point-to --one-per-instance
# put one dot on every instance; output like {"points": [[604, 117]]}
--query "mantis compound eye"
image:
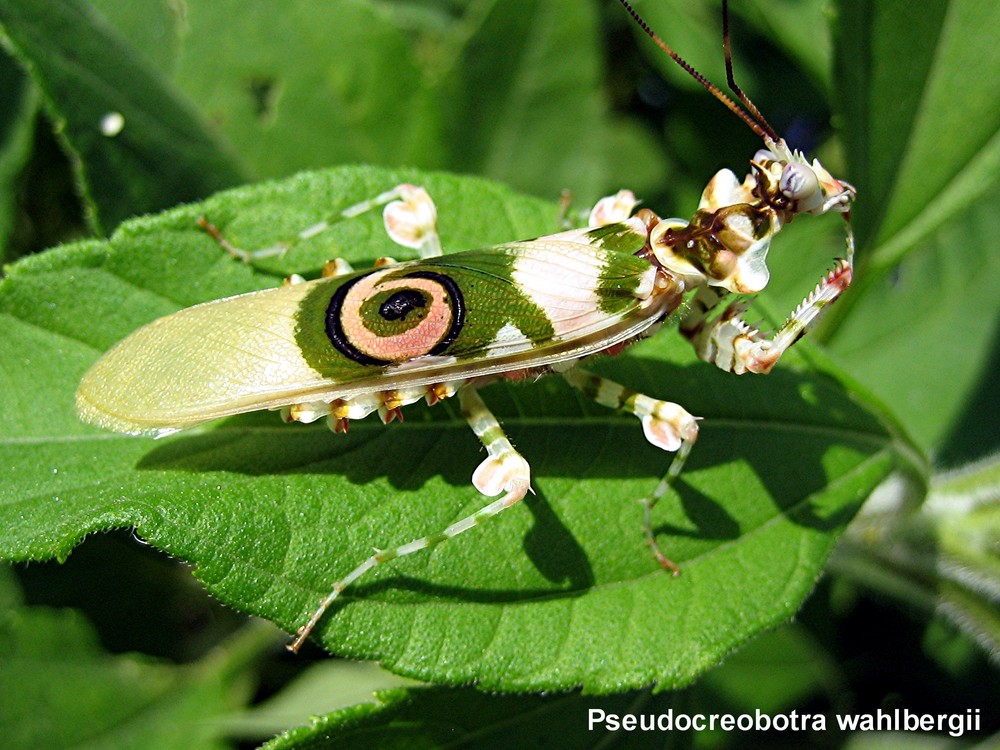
{"points": [[798, 182]]}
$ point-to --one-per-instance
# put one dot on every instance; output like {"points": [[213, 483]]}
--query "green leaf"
{"points": [[153, 28], [555, 593], [430, 718], [510, 116], [766, 677], [923, 336], [321, 688], [385, 98], [160, 155], [403, 85], [309, 85], [58, 688], [922, 143], [923, 138]]}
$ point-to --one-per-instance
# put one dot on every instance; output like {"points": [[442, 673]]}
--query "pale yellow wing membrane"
{"points": [[212, 360]]}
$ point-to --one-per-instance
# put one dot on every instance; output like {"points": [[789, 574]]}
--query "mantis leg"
{"points": [[503, 471], [732, 345], [665, 424], [409, 215]]}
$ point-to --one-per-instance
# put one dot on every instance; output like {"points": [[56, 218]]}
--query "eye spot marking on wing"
{"points": [[383, 317]]}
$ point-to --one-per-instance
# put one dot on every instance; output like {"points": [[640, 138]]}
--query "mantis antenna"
{"points": [[749, 112]]}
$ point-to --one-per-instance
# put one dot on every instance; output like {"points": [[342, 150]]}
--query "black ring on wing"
{"points": [[335, 326], [457, 307]]}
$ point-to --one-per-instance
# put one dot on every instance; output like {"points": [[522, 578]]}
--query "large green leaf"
{"points": [[431, 718], [159, 152], [558, 592], [508, 115], [922, 138], [308, 86]]}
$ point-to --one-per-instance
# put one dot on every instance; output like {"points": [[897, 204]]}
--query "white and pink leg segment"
{"points": [[409, 216], [612, 209], [665, 424], [734, 346], [503, 471]]}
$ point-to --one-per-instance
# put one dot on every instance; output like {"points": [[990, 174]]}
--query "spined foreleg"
{"points": [[732, 345]]}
